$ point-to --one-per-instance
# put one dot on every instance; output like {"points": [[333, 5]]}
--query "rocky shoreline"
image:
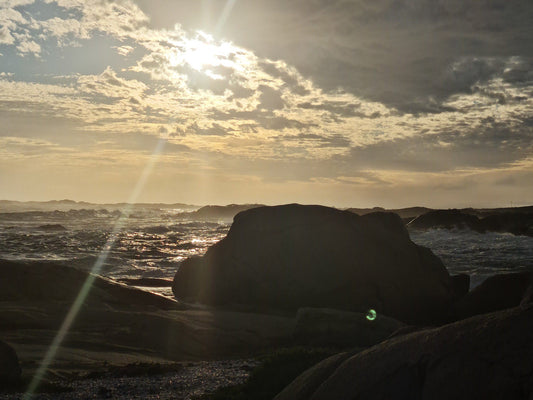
{"points": [[283, 276]]}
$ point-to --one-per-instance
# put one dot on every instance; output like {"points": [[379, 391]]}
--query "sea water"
{"points": [[152, 242]]}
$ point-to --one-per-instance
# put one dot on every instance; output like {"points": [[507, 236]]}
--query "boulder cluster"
{"points": [[360, 281]]}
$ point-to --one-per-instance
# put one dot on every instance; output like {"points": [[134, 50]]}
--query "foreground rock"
{"points": [[293, 256], [485, 357], [118, 324], [326, 327], [495, 293], [46, 282]]}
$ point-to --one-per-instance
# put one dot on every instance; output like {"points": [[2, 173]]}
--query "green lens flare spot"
{"points": [[371, 315]]}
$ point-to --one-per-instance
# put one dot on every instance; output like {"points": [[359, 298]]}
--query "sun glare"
{"points": [[203, 54]]}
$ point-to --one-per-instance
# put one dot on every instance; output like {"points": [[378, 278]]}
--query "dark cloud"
{"points": [[289, 80], [492, 145], [403, 52], [270, 98], [340, 108]]}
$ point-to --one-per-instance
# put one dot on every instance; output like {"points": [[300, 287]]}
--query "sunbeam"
{"points": [[95, 270]]}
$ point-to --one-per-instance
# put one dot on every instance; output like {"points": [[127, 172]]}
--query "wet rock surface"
{"points": [[495, 293]]}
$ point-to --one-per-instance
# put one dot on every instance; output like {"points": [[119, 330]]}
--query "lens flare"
{"points": [[371, 315], [95, 270]]}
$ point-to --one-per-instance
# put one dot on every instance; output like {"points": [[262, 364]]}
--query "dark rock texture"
{"points": [[118, 323], [495, 293], [460, 284], [327, 327], [447, 219], [485, 357], [519, 223], [303, 387], [9, 364], [293, 256]]}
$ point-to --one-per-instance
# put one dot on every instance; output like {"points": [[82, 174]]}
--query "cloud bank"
{"points": [[340, 102]]}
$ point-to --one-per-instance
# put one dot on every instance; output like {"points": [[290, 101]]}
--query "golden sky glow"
{"points": [[271, 102]]}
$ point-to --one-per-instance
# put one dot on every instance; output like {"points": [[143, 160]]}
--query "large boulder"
{"points": [[485, 357], [293, 256]]}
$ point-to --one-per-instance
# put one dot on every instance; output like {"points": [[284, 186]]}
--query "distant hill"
{"points": [[410, 212], [218, 212], [66, 205]]}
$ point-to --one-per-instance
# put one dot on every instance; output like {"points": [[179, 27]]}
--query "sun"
{"points": [[203, 54], [200, 54]]}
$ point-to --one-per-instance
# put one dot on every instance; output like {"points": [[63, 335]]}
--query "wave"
{"points": [[56, 214]]}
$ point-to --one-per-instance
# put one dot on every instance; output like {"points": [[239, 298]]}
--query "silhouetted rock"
{"points": [[51, 282], [460, 285], [308, 382], [484, 357], [293, 256], [327, 327], [495, 293], [515, 223], [446, 219], [9, 364]]}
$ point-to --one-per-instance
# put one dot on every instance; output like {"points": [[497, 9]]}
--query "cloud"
{"points": [[29, 47], [124, 50], [350, 93]]}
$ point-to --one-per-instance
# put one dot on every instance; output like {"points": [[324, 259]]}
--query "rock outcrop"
{"points": [[485, 357], [119, 323], [294, 256], [42, 281], [517, 223], [447, 219]]}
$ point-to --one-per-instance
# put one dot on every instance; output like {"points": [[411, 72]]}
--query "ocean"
{"points": [[153, 241]]}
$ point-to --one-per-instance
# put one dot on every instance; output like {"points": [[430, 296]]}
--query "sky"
{"points": [[349, 103]]}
